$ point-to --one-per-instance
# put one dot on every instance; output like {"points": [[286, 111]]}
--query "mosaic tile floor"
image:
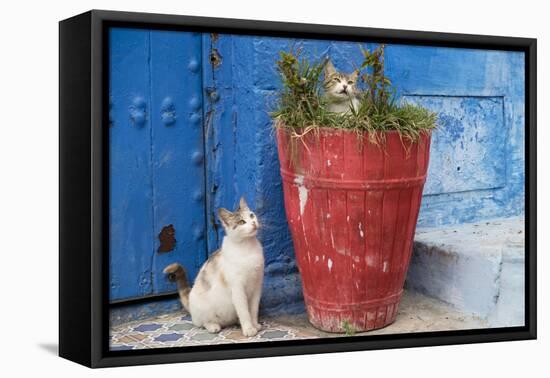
{"points": [[175, 330], [417, 313]]}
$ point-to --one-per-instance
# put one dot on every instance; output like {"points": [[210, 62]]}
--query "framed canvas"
{"points": [[235, 188]]}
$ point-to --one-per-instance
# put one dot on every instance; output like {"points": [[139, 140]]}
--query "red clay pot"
{"points": [[352, 209]]}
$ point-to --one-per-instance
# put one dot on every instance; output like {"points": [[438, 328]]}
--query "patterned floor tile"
{"points": [[175, 330], [274, 334], [168, 337], [147, 327], [181, 327], [417, 313]]}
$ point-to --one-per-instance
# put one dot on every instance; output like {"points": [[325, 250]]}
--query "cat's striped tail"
{"points": [[176, 273]]}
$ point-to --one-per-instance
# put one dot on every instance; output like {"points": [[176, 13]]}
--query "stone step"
{"points": [[478, 268]]}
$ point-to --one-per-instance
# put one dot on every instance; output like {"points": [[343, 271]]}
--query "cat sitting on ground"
{"points": [[341, 92], [228, 288]]}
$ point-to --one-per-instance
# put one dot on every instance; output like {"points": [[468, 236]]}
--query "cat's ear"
{"points": [[354, 75], [225, 216], [243, 205], [329, 69]]}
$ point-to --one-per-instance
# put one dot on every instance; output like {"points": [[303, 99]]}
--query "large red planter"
{"points": [[352, 209]]}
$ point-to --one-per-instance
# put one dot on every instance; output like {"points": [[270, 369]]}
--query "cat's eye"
{"points": [[337, 80], [350, 82], [241, 222]]}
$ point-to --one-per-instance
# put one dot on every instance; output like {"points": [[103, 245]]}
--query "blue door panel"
{"points": [[177, 152], [468, 149], [479, 98], [131, 216], [220, 127], [156, 159]]}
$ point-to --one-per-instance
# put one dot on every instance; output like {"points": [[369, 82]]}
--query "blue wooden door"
{"points": [[157, 185]]}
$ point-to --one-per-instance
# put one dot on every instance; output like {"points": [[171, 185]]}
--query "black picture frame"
{"points": [[83, 196]]}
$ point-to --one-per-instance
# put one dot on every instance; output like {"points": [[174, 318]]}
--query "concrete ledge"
{"points": [[478, 268]]}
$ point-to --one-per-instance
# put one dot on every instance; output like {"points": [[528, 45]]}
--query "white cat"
{"points": [[228, 287], [340, 90]]}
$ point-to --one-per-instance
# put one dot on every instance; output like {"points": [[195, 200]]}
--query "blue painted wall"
{"points": [[476, 169]]}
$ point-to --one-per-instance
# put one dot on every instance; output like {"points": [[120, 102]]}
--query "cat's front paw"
{"points": [[249, 331], [258, 326], [212, 327]]}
